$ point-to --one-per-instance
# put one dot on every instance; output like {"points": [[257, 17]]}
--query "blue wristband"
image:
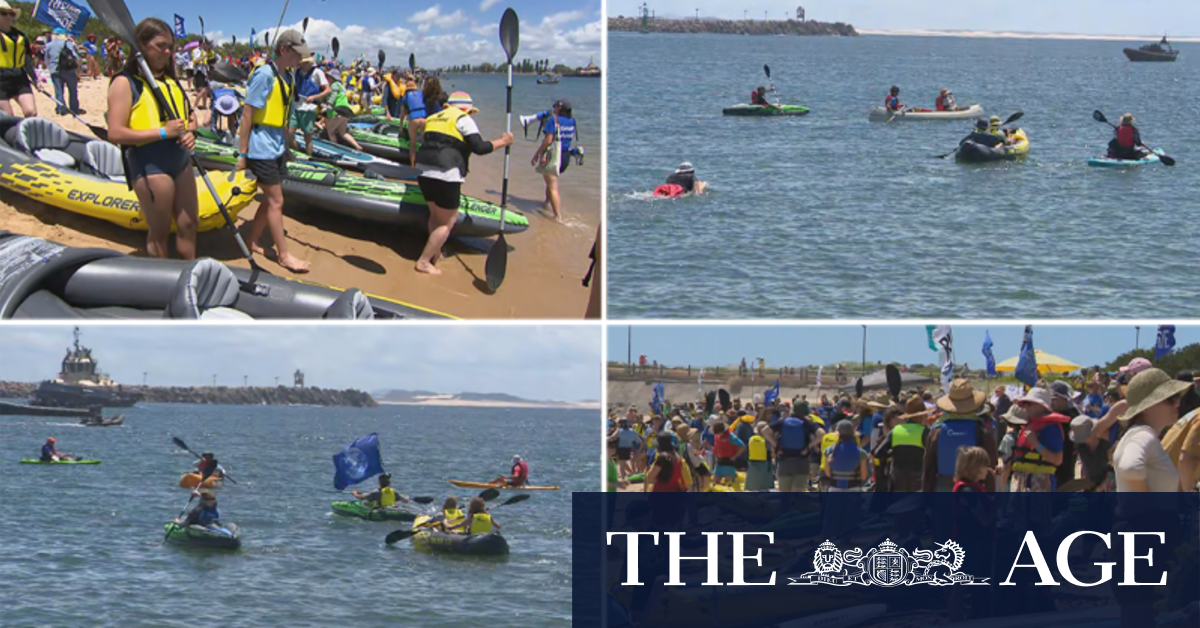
{"points": [[162, 133]]}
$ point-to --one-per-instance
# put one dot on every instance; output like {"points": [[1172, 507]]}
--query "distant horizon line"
{"points": [[1010, 34]]}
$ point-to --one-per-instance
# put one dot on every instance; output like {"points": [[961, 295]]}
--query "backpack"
{"points": [[67, 60], [685, 464]]}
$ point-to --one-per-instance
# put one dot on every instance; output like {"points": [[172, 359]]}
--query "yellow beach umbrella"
{"points": [[1046, 362]]}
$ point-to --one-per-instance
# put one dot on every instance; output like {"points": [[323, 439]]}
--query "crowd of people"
{"points": [[1137, 430]]}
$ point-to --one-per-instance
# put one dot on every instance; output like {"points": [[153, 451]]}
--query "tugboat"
{"points": [[80, 384], [1153, 52]]}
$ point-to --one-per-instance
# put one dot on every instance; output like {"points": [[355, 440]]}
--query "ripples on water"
{"points": [[82, 545], [830, 216]]}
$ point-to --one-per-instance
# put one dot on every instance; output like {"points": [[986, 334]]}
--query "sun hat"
{"points": [[51, 440], [914, 408], [306, 60], [226, 104], [963, 398], [1081, 428], [1136, 365], [994, 120], [1040, 396], [1148, 388], [335, 75], [685, 167], [463, 101], [981, 124], [1062, 389], [945, 91], [294, 40], [1015, 415], [4, 6], [59, 31]]}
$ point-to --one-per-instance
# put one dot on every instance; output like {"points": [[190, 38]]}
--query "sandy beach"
{"points": [[546, 264], [1021, 35]]}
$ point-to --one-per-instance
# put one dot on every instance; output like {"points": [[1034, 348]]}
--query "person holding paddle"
{"points": [[892, 103], [16, 64], [1127, 142], [451, 136], [156, 142], [477, 521], [204, 514], [759, 97], [518, 476], [50, 451], [207, 466], [383, 497]]}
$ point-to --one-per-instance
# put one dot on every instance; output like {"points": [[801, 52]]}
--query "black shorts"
{"points": [[623, 453], [444, 194], [566, 161], [269, 171], [199, 80], [161, 157], [16, 86]]}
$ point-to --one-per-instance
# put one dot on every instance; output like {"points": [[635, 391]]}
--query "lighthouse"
{"points": [[800, 13]]}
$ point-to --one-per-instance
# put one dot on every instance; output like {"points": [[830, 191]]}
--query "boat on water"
{"points": [[1162, 51], [548, 79], [19, 409], [80, 384], [99, 421]]}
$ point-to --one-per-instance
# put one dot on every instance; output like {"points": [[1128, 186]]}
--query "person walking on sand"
{"points": [[62, 62], [451, 136], [554, 155], [311, 88], [155, 143], [16, 64], [261, 146], [417, 105]]}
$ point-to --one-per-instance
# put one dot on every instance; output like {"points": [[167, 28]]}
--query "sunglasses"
{"points": [[8, 14]]}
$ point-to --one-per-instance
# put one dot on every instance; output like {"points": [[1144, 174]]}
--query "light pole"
{"points": [[629, 348], [1137, 337], [697, 14], [864, 356], [143, 379], [744, 14], [214, 380]]}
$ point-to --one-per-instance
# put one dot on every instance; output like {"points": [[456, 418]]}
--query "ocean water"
{"points": [[82, 544], [832, 216]]}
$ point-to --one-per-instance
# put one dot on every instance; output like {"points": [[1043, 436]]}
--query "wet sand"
{"points": [[546, 264]]}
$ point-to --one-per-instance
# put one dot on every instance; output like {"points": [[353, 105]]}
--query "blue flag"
{"points": [[357, 462], [64, 14], [180, 31], [1027, 368], [772, 394], [656, 403], [987, 354], [253, 36], [1166, 341]]}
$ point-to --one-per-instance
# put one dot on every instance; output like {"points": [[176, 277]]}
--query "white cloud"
{"points": [[487, 4], [428, 15]]}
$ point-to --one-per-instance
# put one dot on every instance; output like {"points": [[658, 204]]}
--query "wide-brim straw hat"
{"points": [[914, 408], [1015, 416], [1149, 388], [963, 398], [4, 5]]}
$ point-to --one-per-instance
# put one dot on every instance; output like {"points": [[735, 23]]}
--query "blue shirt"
{"points": [[627, 438], [51, 52], [90, 47], [265, 142], [47, 450], [563, 128], [1051, 437]]}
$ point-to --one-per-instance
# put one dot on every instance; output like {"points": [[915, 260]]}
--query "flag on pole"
{"points": [[772, 394], [1027, 369], [180, 30], [942, 335], [700, 381], [929, 332], [819, 369], [62, 13], [253, 36], [1166, 341], [657, 401], [987, 354], [357, 462]]}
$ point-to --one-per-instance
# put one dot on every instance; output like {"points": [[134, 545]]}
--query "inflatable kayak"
{"points": [[325, 151], [357, 509], [388, 146], [760, 110], [191, 480], [37, 461], [42, 279], [880, 114], [438, 542], [670, 190], [83, 175], [227, 537], [328, 188], [1108, 162], [465, 484], [970, 152]]}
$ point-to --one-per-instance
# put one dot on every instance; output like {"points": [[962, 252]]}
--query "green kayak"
{"points": [[759, 110], [210, 537], [357, 509], [386, 145], [36, 461]]}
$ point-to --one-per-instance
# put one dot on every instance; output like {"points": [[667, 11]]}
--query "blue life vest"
{"points": [[565, 128], [795, 436], [415, 101], [307, 86], [844, 464], [955, 433], [207, 516]]}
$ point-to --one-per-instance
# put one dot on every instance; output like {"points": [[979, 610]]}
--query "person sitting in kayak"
{"points": [[208, 467], [995, 127], [383, 497], [452, 515], [478, 521], [1128, 141], [204, 514], [518, 475], [50, 452], [681, 182], [892, 102], [759, 97], [945, 101], [983, 136]]}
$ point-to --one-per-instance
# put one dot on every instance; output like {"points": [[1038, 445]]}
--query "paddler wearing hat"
{"points": [[959, 427], [1039, 446], [16, 64], [945, 101], [681, 183], [451, 137], [902, 450]]}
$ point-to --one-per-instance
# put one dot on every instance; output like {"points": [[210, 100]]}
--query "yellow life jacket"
{"points": [[13, 46], [830, 439], [481, 523], [279, 103], [387, 497], [397, 89], [453, 517], [445, 122], [758, 448], [145, 114]]}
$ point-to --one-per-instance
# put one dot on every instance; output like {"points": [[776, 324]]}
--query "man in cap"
{"points": [[681, 183], [554, 155], [261, 143], [959, 427], [62, 62], [311, 89], [792, 440], [1038, 452], [902, 450], [1063, 402]]}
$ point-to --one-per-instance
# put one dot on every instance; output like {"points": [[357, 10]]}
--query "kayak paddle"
{"points": [[767, 69], [304, 29], [412, 62], [116, 17], [513, 500], [1166, 160], [381, 58], [496, 265], [893, 382], [336, 47], [858, 388], [1013, 118], [726, 404], [182, 445]]}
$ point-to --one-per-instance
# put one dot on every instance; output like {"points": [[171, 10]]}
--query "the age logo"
{"points": [[888, 565]]}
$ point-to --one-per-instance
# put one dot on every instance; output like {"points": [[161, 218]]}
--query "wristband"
{"points": [[1040, 447], [162, 132]]}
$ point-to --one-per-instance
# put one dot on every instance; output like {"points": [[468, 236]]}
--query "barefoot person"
{"points": [[451, 136], [156, 142], [16, 61], [261, 146], [554, 155], [416, 106]]}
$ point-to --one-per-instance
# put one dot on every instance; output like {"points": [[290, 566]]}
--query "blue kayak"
{"points": [[1106, 162]]}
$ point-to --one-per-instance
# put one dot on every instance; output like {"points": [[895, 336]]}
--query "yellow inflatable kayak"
{"points": [[465, 484], [43, 161], [190, 480]]}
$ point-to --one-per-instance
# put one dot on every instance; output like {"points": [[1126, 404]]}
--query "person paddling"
{"points": [[945, 101], [892, 101], [477, 521], [16, 64], [208, 467], [204, 514], [517, 476], [983, 136], [383, 497], [50, 452], [681, 183], [1127, 143], [759, 97]]}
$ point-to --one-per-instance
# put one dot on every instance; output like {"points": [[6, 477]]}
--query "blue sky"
{"points": [[441, 32], [1091, 17], [544, 363], [908, 344]]}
